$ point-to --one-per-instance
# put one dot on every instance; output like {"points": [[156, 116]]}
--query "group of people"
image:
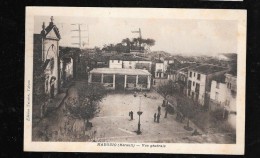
{"points": [[157, 116]]}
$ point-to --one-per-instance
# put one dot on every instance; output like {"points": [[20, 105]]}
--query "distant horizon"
{"points": [[190, 37]]}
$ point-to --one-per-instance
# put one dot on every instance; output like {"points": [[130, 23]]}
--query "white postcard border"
{"points": [[214, 14]]}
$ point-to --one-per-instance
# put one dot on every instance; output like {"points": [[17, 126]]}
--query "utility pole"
{"points": [[139, 32], [80, 37], [140, 36]]}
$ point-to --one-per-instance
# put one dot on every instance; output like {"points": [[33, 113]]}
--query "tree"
{"points": [[89, 97], [164, 90], [97, 50], [167, 89], [149, 42], [185, 106], [127, 42]]}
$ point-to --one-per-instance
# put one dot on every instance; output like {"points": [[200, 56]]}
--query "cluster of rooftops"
{"points": [[184, 67]]}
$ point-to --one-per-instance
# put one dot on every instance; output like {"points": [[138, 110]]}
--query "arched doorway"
{"points": [[52, 86]]}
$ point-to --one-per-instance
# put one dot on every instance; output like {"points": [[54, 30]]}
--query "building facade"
{"points": [[223, 96], [129, 62], [137, 64], [116, 63], [121, 79], [159, 70], [167, 61], [199, 82], [46, 60]]}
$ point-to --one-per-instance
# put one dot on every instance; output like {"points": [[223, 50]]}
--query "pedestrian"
{"points": [[158, 118], [154, 116], [159, 110], [166, 112], [132, 115]]}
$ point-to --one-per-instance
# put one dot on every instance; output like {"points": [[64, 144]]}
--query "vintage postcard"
{"points": [[135, 80]]}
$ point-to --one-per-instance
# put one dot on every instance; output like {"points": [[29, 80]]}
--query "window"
{"points": [[189, 84], [193, 83], [217, 86], [197, 88], [216, 96], [190, 74], [198, 77], [229, 85], [194, 74]]}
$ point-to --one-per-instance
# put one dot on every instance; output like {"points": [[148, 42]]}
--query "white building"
{"points": [[130, 62], [159, 70], [199, 82], [223, 96], [167, 61], [137, 64], [116, 63], [121, 79]]}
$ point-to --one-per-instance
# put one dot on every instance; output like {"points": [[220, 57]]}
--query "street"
{"points": [[113, 123]]}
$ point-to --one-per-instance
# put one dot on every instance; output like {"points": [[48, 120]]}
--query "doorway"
{"points": [[119, 82]]}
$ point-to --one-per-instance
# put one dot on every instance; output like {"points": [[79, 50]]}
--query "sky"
{"points": [[175, 36]]}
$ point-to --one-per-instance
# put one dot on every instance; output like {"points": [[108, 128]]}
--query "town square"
{"points": [[136, 87]]}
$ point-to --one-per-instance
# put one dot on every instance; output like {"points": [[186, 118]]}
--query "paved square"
{"points": [[113, 122]]}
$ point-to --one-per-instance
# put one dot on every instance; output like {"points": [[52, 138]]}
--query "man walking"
{"points": [[154, 117], [166, 111], [132, 115], [159, 110], [158, 118]]}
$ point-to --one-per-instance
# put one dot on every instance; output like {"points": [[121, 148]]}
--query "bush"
{"points": [[217, 115]]}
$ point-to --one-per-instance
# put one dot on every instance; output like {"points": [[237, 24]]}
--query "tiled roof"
{"points": [[49, 28], [100, 58], [208, 69], [169, 58], [120, 71], [185, 70], [127, 58]]}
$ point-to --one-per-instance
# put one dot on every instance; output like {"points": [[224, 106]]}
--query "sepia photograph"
{"points": [[135, 80]]}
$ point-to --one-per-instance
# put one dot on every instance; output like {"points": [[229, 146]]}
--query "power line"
{"points": [[80, 37]]}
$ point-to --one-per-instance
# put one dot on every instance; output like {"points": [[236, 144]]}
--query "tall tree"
{"points": [[167, 89], [186, 107], [89, 97]]}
